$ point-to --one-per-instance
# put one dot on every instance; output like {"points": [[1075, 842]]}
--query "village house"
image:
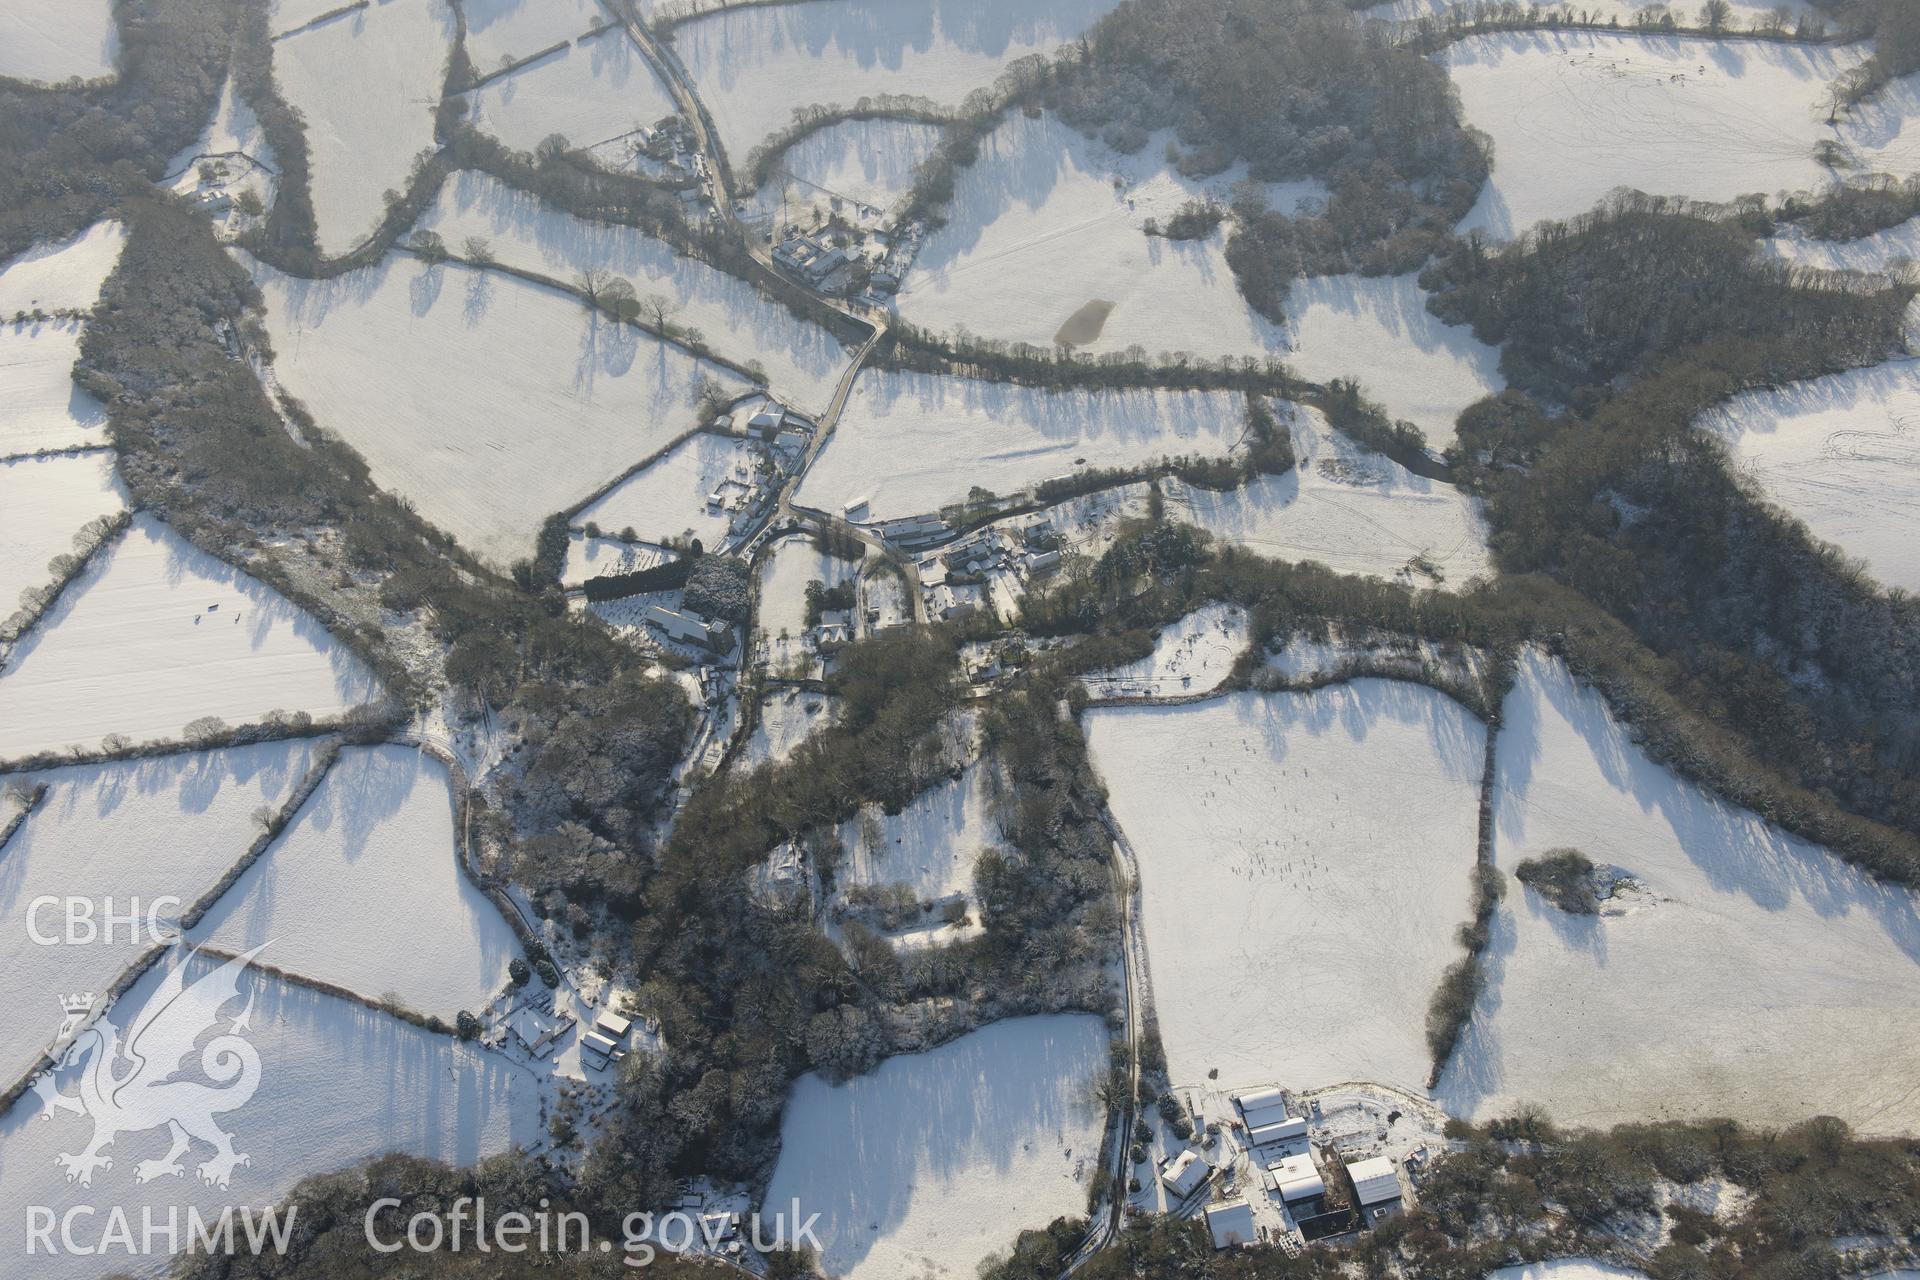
{"points": [[687, 627]]}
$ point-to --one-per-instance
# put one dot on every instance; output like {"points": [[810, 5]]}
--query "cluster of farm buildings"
{"points": [[1298, 1188]]}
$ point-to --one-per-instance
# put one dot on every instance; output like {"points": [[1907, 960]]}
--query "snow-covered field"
{"points": [[929, 846], [42, 407], [1048, 221], [589, 93], [490, 402], [1349, 508], [870, 162], [591, 557], [338, 1083], [43, 503], [788, 717], [911, 443], [937, 1159], [156, 633], [1843, 454], [169, 826], [65, 274], [502, 30], [802, 360], [1192, 655], [781, 611], [342, 894], [669, 498], [48, 41], [1304, 862], [1575, 114], [1748, 974], [1380, 332], [367, 84], [753, 66]]}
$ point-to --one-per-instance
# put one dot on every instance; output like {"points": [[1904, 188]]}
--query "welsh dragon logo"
{"points": [[134, 1086]]}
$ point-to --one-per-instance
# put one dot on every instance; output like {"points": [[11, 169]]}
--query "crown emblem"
{"points": [[73, 1004]]}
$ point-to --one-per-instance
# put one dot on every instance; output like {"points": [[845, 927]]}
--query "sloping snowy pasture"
{"points": [[591, 557], [65, 274], [590, 92], [1048, 221], [42, 407], [802, 360], [1304, 862], [156, 633], [47, 41], [503, 30], [1747, 973], [929, 846], [1379, 332], [1192, 655], [490, 402], [1348, 507], [870, 162], [43, 503], [911, 443], [341, 892], [338, 1083], [1843, 454], [367, 84], [1574, 114], [788, 717], [937, 1159], [169, 826], [752, 66]]}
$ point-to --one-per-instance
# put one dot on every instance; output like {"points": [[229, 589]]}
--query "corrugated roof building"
{"points": [[1298, 1180], [1231, 1224], [1376, 1185]]}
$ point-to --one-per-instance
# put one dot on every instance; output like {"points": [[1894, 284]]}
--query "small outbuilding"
{"points": [[1261, 1107], [1293, 1129], [1376, 1185], [1300, 1184]]}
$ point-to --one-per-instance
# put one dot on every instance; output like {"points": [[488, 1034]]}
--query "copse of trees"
{"points": [[1856, 208], [1631, 505], [1578, 304], [1894, 26], [1296, 89], [718, 587]]}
